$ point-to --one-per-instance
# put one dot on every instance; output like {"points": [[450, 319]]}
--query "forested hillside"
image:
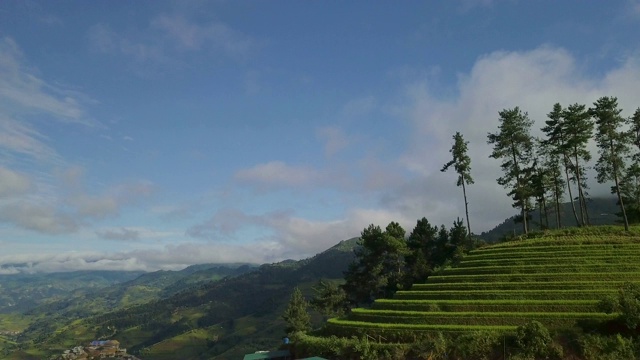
{"points": [[223, 318]]}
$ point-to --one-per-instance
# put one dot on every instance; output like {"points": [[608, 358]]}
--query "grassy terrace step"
{"points": [[531, 285], [558, 319], [574, 253], [414, 327], [548, 260], [504, 294], [582, 306], [566, 267], [562, 244], [539, 277]]}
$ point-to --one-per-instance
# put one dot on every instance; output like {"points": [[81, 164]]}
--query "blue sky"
{"points": [[154, 135]]}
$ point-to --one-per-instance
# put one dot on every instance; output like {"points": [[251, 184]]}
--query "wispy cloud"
{"points": [[169, 38], [23, 91], [42, 218], [334, 139], [277, 173], [12, 183], [122, 234]]}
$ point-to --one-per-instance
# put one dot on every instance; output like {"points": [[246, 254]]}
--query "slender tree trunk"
{"points": [[573, 205], [580, 198], [556, 195], [586, 210], [523, 210], [615, 179], [540, 214], [624, 213], [466, 208], [546, 215]]}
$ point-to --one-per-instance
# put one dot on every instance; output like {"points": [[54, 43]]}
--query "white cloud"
{"points": [[277, 173], [42, 218], [106, 204], [169, 38], [189, 35], [334, 138], [170, 257], [634, 8], [133, 233], [123, 234], [13, 183], [296, 237], [358, 107], [22, 89]]}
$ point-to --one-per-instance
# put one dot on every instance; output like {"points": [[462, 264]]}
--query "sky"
{"points": [[154, 135]]}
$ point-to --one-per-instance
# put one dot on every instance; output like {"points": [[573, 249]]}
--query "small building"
{"points": [[271, 355]]}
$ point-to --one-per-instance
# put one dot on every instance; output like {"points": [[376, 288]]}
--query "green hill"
{"points": [[556, 278], [197, 318]]}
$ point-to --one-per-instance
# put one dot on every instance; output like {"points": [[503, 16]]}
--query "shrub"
{"points": [[534, 341], [595, 347], [627, 303], [431, 347], [480, 345]]}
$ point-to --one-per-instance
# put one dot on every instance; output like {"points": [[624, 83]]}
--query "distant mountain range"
{"points": [[228, 311]]}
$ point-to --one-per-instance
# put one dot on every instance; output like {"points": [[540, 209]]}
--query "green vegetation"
{"points": [[296, 314], [525, 297]]}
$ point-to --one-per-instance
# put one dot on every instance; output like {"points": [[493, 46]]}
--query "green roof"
{"points": [[268, 355]]}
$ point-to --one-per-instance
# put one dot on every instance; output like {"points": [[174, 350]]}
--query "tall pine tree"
{"points": [[556, 143], [513, 144], [296, 314], [613, 143], [462, 164], [578, 130]]}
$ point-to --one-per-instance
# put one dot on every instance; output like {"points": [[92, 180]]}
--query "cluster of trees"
{"points": [[538, 172], [385, 262]]}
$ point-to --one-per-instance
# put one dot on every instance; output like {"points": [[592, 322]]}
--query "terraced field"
{"points": [[556, 279]]}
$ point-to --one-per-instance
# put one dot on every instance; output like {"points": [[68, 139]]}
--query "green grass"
{"points": [[403, 326], [505, 294], [544, 268], [530, 285], [574, 252], [489, 305], [551, 319], [550, 260], [539, 277]]}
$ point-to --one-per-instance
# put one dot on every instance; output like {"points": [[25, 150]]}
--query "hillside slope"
{"points": [[222, 319], [556, 278]]}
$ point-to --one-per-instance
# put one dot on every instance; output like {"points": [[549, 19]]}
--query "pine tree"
{"points": [[514, 145], [555, 142], [613, 144], [378, 270], [296, 314], [550, 173], [578, 130], [462, 164], [421, 246], [330, 299], [630, 184]]}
